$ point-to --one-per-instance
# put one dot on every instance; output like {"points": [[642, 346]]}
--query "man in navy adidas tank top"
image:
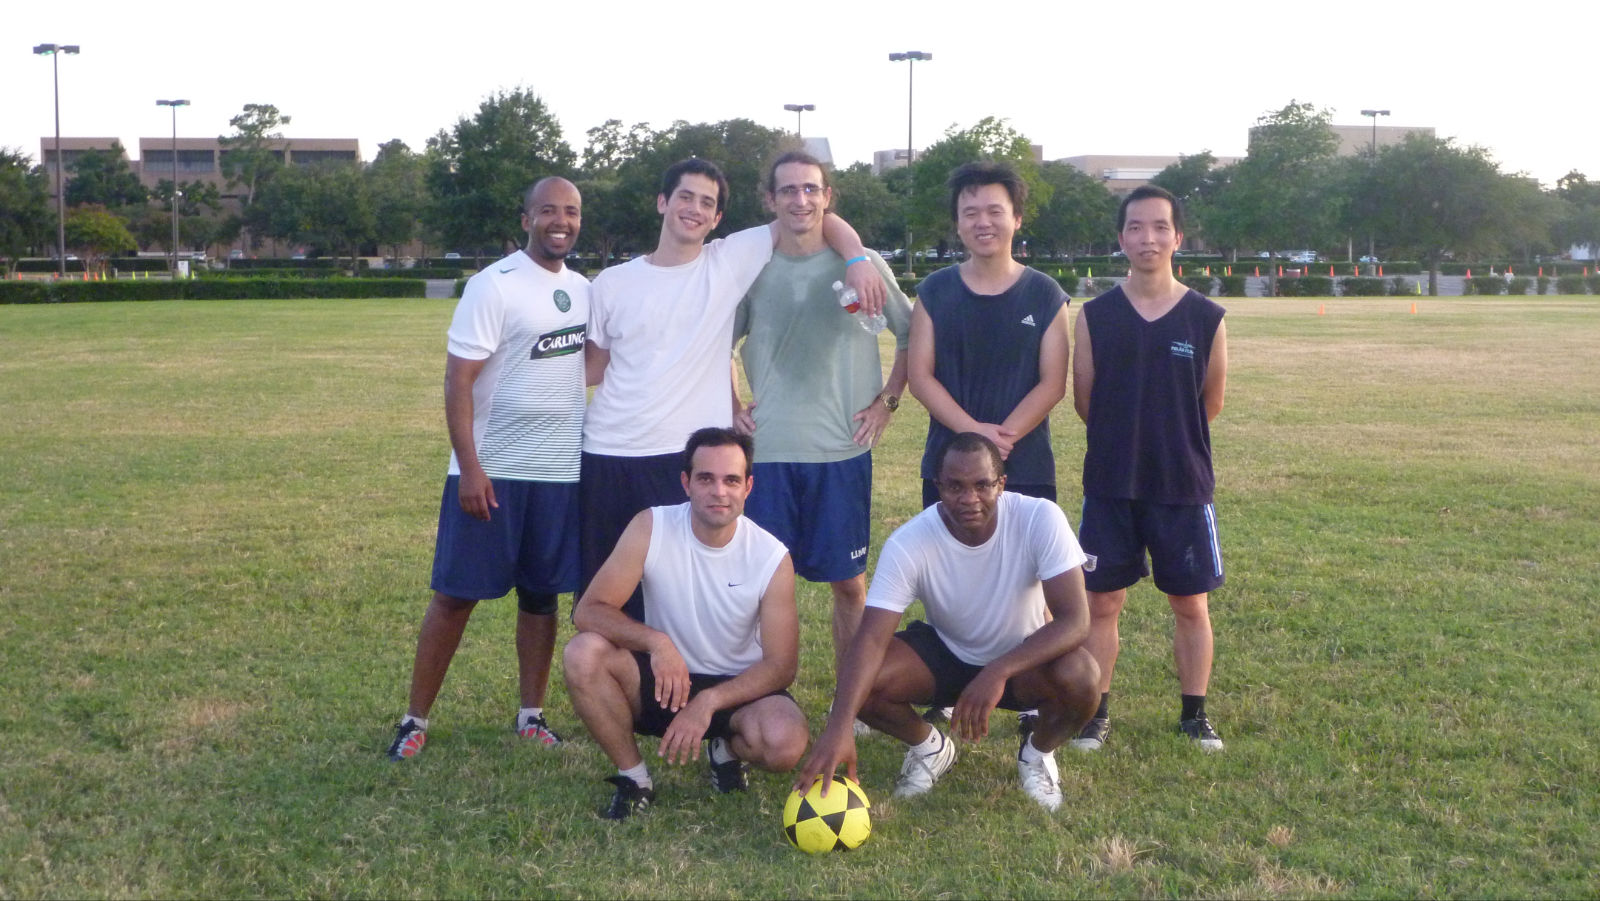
{"points": [[989, 348], [1148, 378]]}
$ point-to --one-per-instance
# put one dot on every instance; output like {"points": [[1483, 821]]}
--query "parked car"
{"points": [[1370, 259]]}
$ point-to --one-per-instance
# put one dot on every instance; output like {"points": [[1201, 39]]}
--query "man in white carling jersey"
{"points": [[719, 644], [513, 401]]}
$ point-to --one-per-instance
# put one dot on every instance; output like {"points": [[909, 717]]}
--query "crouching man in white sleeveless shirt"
{"points": [[719, 645]]}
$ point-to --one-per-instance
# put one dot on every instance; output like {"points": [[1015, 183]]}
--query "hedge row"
{"points": [[207, 289]]}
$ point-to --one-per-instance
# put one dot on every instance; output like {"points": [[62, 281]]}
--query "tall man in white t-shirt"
{"points": [[513, 401], [821, 401], [999, 575], [719, 644], [660, 346]]}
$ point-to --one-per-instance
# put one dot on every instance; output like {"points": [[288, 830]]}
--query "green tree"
{"points": [[396, 182], [477, 171], [1080, 212], [1579, 223], [25, 214], [96, 233], [103, 177], [199, 216], [1428, 196], [325, 206], [250, 156], [864, 200], [617, 210], [1196, 180], [989, 139], [1284, 192]]}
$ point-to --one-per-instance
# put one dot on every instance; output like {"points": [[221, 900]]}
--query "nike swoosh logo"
{"points": [[734, 584]]}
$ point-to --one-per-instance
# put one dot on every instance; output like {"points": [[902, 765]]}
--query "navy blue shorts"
{"points": [[612, 491], [951, 674], [930, 491], [1181, 540], [822, 512], [653, 719], [529, 543]]}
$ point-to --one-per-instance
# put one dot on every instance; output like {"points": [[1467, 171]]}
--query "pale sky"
{"points": [[1156, 77]]}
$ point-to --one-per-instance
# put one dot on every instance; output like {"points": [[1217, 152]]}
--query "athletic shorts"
{"points": [[930, 492], [611, 491], [529, 543], [822, 512], [653, 719], [951, 674], [1181, 540]]}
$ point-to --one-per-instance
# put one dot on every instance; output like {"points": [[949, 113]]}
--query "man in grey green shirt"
{"points": [[821, 402]]}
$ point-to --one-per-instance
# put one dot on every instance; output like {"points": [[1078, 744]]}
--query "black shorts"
{"points": [[611, 492], [1181, 539], [653, 719], [951, 674]]}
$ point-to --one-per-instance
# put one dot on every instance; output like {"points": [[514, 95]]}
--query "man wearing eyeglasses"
{"points": [[821, 402], [987, 565]]}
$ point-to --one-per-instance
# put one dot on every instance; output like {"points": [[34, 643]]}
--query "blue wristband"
{"points": [[859, 259]]}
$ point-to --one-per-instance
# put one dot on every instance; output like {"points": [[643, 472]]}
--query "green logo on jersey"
{"points": [[563, 302]]}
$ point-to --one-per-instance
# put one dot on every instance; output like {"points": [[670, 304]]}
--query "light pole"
{"points": [[1372, 247], [798, 109], [54, 51], [910, 57], [174, 104]]}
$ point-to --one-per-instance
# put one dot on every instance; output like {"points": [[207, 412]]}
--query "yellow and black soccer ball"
{"points": [[839, 822]]}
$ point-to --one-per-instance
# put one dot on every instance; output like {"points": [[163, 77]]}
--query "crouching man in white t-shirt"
{"points": [[719, 645], [1000, 577]]}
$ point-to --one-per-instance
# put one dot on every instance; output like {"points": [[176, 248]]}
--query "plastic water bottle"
{"points": [[851, 304]]}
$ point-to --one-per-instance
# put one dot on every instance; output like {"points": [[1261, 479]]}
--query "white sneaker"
{"points": [[919, 772], [862, 729], [1041, 781]]}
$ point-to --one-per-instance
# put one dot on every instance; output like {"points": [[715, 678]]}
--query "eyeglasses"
{"points": [[790, 192], [983, 486]]}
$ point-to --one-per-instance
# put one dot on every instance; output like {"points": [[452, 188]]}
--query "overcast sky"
{"points": [[1156, 77]]}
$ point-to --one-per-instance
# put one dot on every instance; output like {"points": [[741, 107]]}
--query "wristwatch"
{"points": [[891, 401]]}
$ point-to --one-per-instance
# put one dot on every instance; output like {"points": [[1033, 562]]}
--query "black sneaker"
{"points": [[408, 741], [1093, 735], [938, 716], [628, 800], [1200, 729], [732, 775]]}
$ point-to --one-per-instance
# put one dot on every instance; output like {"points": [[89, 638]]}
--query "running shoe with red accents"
{"points": [[408, 741], [536, 729]]}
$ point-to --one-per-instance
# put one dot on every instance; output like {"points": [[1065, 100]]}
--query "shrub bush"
{"points": [[1232, 286], [1593, 282], [1519, 285], [461, 285], [208, 289], [1398, 286], [1543, 284], [1487, 285], [1068, 283], [1101, 285], [1570, 284], [1306, 286], [1205, 284], [1361, 287]]}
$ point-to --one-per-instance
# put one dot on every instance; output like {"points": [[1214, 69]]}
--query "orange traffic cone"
{"points": [[1413, 308], [1319, 309]]}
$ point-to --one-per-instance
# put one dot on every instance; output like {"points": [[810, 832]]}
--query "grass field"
{"points": [[216, 521]]}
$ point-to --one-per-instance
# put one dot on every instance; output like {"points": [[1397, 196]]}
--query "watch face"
{"points": [[892, 402]]}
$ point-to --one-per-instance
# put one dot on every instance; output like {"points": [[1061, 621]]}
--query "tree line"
{"points": [[1424, 198]]}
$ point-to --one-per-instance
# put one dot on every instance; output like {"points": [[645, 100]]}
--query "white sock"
{"points": [[421, 721], [930, 745], [721, 750], [1030, 754], [639, 774], [528, 713]]}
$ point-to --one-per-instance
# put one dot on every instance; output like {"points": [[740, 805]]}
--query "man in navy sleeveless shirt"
{"points": [[1148, 378], [989, 350]]}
